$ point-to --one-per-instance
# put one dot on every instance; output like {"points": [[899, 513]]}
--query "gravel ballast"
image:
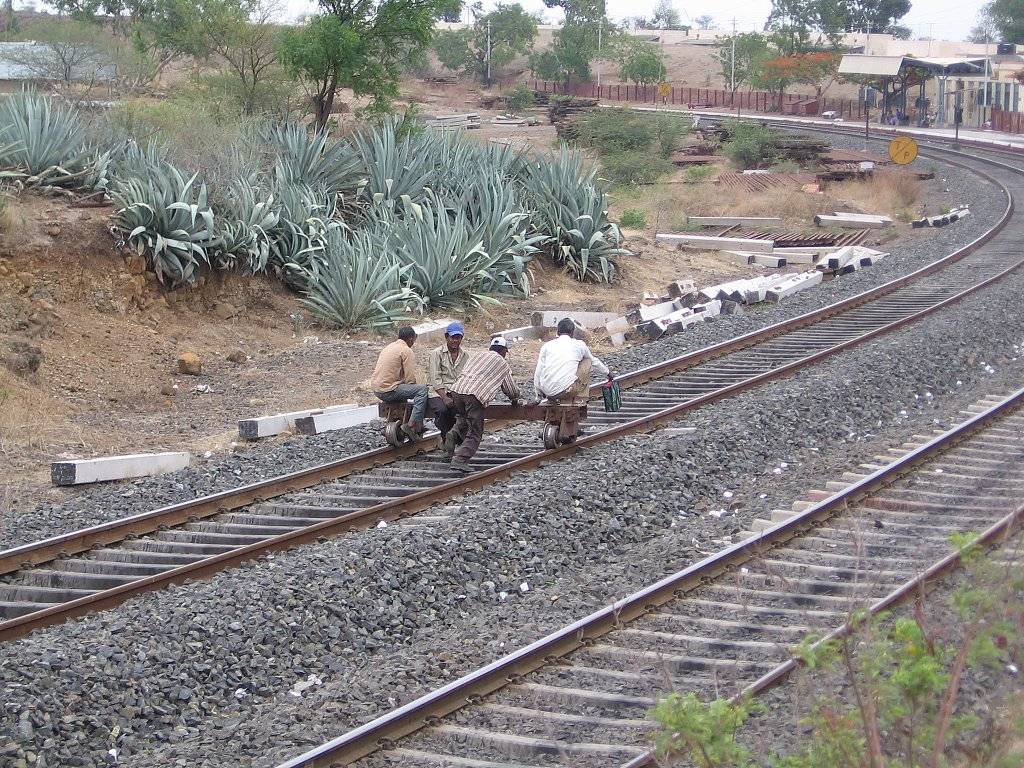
{"points": [[909, 251], [213, 673]]}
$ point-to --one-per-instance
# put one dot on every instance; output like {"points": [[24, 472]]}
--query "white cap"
{"points": [[499, 341]]}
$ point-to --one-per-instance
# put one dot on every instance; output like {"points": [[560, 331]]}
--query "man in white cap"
{"points": [[484, 374]]}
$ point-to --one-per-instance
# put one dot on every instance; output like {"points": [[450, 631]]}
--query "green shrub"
{"points": [[750, 145], [631, 218], [518, 99], [697, 173], [667, 131], [631, 168]]}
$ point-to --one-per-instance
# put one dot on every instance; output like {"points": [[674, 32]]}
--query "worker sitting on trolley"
{"points": [[443, 368], [394, 380], [484, 374], [564, 366]]}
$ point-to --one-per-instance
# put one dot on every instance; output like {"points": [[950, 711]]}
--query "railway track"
{"points": [[724, 626], [70, 575]]}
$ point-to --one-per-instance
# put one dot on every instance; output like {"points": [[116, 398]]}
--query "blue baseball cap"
{"points": [[455, 329]]}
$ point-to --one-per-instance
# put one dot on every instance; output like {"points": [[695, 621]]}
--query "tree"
{"points": [[645, 65], [67, 53], [704, 22], [575, 44], [512, 32], [1007, 17], [899, 31], [359, 44], [665, 15], [751, 52], [324, 55], [452, 15], [819, 69], [8, 21], [790, 23], [248, 50], [984, 29], [454, 48]]}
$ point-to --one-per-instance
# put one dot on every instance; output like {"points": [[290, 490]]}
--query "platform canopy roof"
{"points": [[890, 66]]}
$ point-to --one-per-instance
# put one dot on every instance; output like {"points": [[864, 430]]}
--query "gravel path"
{"points": [[911, 250], [210, 674]]}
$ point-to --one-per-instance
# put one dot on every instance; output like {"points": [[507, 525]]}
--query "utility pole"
{"points": [[984, 86], [732, 66], [931, 28], [488, 51]]}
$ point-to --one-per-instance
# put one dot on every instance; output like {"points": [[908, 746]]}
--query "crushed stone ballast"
{"points": [[74, 574]]}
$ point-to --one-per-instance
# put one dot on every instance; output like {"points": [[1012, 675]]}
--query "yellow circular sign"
{"points": [[664, 89], [902, 150]]}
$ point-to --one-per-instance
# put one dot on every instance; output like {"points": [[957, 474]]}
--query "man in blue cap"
{"points": [[443, 367]]}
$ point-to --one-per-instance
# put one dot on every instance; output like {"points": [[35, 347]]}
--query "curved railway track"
{"points": [[70, 575], [723, 626]]}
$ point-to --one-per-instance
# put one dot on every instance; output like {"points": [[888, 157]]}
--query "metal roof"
{"points": [[890, 66]]}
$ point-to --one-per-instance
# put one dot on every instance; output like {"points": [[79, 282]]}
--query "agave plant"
{"points": [[249, 217], [310, 158], [571, 209], [445, 263], [493, 210], [297, 242], [167, 219], [358, 285], [395, 167], [43, 144]]}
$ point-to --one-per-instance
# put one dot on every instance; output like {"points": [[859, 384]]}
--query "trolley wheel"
{"points": [[568, 439], [550, 436], [394, 435]]}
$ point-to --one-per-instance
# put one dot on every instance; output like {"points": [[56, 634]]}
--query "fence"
{"points": [[752, 101], [1007, 122]]}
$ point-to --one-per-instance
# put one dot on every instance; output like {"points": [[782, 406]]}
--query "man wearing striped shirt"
{"points": [[484, 374]]}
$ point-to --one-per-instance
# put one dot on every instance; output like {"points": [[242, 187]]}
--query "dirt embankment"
{"points": [[89, 344]]}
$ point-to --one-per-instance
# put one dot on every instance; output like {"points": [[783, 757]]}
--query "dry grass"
{"points": [[887, 193], [667, 205], [29, 420]]}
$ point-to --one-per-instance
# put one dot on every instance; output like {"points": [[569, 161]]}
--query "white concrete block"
{"points": [[731, 221], [739, 257], [658, 310], [327, 422], [707, 310], [769, 261], [717, 243], [851, 223], [79, 471], [793, 284], [551, 317], [864, 216], [432, 332], [267, 426], [524, 333], [679, 288]]}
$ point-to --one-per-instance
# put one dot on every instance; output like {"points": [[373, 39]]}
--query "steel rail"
{"points": [[206, 506], [383, 731], [82, 540]]}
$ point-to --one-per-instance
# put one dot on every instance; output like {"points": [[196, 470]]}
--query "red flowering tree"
{"points": [[818, 68]]}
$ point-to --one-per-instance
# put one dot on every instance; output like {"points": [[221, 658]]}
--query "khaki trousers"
{"points": [[579, 388]]}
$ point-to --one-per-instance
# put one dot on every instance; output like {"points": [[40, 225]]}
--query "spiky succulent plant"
{"points": [[311, 158], [44, 144], [168, 220], [571, 209], [248, 219], [358, 285]]}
